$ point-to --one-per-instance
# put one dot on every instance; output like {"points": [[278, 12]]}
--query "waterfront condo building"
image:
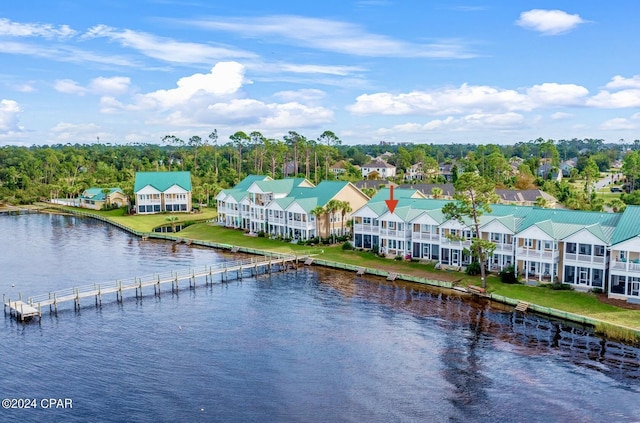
{"points": [[157, 192]]}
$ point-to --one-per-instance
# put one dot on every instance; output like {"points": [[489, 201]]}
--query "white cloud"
{"points": [[620, 99], [9, 112], [69, 86], [166, 49], [618, 124], [549, 22], [463, 99], [553, 94], [331, 35], [473, 122], [304, 95], [16, 29], [620, 82], [116, 85], [71, 132], [225, 79], [561, 115]]}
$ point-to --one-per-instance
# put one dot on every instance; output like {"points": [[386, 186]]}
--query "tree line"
{"points": [[29, 174]]}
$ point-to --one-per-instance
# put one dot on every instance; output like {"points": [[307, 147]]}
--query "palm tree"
{"points": [[345, 207], [106, 192], [331, 207], [436, 192], [172, 220], [317, 212]]}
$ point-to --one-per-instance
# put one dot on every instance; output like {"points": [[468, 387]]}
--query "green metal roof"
{"points": [[162, 180], [628, 226], [249, 180], [96, 194], [280, 186], [323, 192]]}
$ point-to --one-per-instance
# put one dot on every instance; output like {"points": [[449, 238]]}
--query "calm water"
{"points": [[306, 346]]}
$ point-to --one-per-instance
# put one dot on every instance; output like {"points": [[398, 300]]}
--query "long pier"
{"points": [[32, 306]]}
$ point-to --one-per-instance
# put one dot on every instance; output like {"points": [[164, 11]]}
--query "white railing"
{"points": [[539, 254], [625, 265], [366, 229], [503, 247], [583, 258], [425, 236], [446, 242]]}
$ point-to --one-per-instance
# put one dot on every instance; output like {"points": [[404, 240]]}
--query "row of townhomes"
{"points": [[583, 249], [289, 207]]}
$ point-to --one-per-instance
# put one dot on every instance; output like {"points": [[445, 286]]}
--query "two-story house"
{"points": [[157, 192]]}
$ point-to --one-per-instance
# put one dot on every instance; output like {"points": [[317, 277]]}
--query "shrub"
{"points": [[398, 258], [557, 286], [508, 275], [347, 246], [473, 269], [597, 290], [261, 234]]}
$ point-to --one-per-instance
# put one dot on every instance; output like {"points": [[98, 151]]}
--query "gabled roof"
{"points": [[324, 191], [628, 225], [249, 180], [279, 186], [162, 180], [96, 194]]}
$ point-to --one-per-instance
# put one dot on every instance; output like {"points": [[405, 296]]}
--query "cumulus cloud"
{"points": [[16, 29], [553, 94], [618, 124], [458, 100], [620, 82], [9, 112], [549, 22], [620, 99], [115, 85], [225, 78], [69, 86], [472, 122]]}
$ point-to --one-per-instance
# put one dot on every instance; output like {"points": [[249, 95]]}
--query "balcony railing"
{"points": [[446, 242], [366, 229], [504, 248], [537, 254], [404, 233], [625, 266], [584, 258], [425, 236]]}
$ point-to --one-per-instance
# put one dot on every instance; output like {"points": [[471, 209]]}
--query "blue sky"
{"points": [[369, 70]]}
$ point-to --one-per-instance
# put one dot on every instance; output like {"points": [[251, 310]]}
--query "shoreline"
{"points": [[358, 270]]}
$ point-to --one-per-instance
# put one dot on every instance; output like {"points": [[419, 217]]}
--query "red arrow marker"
{"points": [[391, 203]]}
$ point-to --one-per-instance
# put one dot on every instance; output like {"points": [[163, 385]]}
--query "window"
{"points": [[528, 242], [547, 245], [598, 250], [495, 237], [571, 247], [584, 249]]}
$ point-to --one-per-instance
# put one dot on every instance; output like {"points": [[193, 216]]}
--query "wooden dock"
{"points": [[228, 270]]}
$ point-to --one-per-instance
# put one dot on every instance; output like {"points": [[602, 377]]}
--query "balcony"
{"points": [[394, 233], [366, 229], [449, 243], [530, 253], [425, 236], [583, 258], [504, 248], [626, 266]]}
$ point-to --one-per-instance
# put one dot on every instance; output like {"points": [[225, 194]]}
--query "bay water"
{"points": [[306, 345]]}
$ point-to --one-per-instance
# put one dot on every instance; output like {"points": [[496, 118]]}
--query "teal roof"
{"points": [[323, 192], [628, 226], [162, 180], [280, 186], [398, 194], [96, 194], [249, 180]]}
